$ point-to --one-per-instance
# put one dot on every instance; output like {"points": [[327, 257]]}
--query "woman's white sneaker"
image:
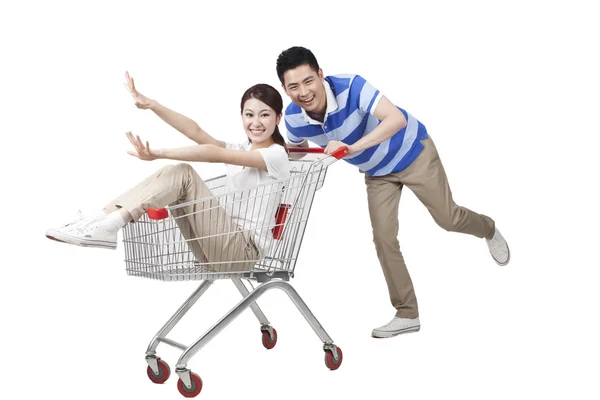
{"points": [[397, 326], [499, 248], [87, 232]]}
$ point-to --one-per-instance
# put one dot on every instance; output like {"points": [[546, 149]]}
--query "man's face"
{"points": [[305, 88]]}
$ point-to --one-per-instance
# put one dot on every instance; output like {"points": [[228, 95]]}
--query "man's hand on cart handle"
{"points": [[338, 149]]}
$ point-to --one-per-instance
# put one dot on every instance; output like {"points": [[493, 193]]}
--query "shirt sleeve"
{"points": [[368, 96], [291, 137], [277, 161]]}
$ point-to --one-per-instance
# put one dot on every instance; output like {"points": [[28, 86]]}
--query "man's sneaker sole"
{"points": [[62, 237], [507, 260], [383, 335]]}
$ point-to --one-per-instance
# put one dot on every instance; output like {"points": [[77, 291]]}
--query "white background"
{"points": [[509, 92]]}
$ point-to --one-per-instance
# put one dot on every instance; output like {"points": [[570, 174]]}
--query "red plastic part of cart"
{"points": [[157, 213], [280, 217], [339, 153]]}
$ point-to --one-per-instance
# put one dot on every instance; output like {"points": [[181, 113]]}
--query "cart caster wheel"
{"points": [[267, 341], [330, 361], [194, 390], [163, 372]]}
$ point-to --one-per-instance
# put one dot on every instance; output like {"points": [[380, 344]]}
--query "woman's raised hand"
{"points": [[141, 101], [143, 152]]}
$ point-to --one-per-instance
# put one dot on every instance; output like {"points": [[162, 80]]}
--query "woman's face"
{"points": [[259, 120]]}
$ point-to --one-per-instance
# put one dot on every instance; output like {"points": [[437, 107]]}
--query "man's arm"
{"points": [[304, 144], [291, 144], [392, 120]]}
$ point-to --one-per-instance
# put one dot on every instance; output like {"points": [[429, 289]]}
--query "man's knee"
{"points": [[448, 221], [384, 234]]}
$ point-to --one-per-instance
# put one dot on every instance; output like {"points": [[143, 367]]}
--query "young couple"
{"points": [[390, 146]]}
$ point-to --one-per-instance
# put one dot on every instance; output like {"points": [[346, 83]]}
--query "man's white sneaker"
{"points": [[397, 326], [499, 248], [86, 231]]}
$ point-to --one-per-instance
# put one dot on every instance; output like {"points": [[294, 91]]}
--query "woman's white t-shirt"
{"points": [[254, 207]]}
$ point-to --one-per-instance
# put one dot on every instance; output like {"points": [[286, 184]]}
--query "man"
{"points": [[394, 150]]}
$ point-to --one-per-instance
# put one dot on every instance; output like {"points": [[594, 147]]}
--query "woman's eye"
{"points": [[248, 115]]}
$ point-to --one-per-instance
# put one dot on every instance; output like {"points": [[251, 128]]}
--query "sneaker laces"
{"points": [[85, 222], [398, 322], [88, 226], [392, 323], [80, 216]]}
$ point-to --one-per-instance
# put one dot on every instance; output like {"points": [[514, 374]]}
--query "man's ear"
{"points": [[284, 89], [320, 74]]}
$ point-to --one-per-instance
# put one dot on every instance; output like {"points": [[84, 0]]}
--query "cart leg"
{"points": [[265, 325], [151, 352], [254, 306], [245, 303]]}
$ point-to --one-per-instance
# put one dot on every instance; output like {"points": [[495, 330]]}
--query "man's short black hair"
{"points": [[295, 57]]}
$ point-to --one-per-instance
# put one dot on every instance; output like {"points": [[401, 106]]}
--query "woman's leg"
{"points": [[211, 234]]}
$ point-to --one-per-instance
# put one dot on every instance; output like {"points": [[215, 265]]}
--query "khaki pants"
{"points": [[217, 238], [427, 179]]}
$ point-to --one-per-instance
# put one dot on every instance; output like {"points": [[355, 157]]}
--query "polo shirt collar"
{"points": [[332, 105]]}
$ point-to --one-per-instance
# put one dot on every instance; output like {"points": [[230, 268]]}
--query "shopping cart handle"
{"points": [[157, 213], [339, 153]]}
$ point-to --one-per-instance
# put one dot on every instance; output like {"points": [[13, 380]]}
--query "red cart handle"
{"points": [[162, 213], [339, 153]]}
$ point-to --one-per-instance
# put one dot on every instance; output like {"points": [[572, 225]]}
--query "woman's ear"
{"points": [[279, 118]]}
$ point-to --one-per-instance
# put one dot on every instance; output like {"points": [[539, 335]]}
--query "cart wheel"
{"points": [[194, 390], [163, 372], [267, 341], [330, 362]]}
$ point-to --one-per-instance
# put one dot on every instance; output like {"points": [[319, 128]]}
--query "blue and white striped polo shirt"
{"points": [[351, 101]]}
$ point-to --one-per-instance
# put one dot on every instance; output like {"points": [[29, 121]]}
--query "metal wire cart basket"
{"points": [[165, 245]]}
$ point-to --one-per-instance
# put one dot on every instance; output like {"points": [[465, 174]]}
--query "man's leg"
{"points": [[427, 179], [383, 195]]}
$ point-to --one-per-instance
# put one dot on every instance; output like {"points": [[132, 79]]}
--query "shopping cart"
{"points": [[162, 245]]}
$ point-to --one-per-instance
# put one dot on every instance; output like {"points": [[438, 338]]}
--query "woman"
{"points": [[230, 233]]}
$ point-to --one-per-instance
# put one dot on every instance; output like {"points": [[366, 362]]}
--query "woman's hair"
{"points": [[271, 97]]}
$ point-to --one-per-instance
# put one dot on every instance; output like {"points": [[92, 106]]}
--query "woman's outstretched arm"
{"points": [[199, 153], [183, 124]]}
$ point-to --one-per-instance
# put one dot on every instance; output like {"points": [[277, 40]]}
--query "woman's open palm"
{"points": [[143, 152], [141, 101]]}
